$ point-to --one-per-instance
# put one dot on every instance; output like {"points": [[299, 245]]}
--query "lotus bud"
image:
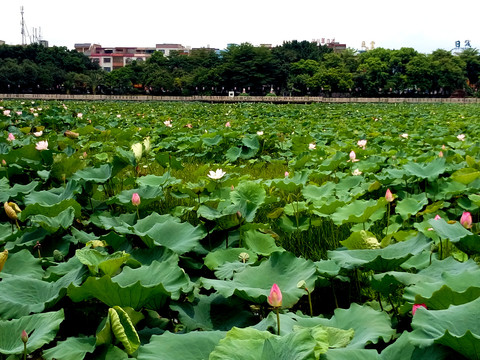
{"points": [[466, 220], [416, 306], [243, 257], [440, 154], [57, 255], [135, 199], [24, 336], [437, 217], [287, 174], [389, 196], [275, 297]]}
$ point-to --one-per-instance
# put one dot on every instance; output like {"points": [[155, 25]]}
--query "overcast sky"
{"points": [[424, 25]]}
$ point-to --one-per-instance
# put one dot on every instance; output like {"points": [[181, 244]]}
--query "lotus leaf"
{"points": [[195, 345], [73, 348], [456, 327], [254, 283], [214, 312], [41, 330], [97, 175], [168, 231]]}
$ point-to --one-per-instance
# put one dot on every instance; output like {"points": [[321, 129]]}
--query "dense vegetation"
{"points": [[294, 68], [156, 230]]}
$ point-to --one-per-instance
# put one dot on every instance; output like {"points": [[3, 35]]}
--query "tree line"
{"points": [[295, 68]]}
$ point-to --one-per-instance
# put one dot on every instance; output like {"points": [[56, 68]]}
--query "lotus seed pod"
{"points": [[302, 284], [71, 134], [57, 255], [243, 257]]}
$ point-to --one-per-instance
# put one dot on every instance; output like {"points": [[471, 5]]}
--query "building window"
{"points": [[107, 60], [107, 68], [96, 60]]}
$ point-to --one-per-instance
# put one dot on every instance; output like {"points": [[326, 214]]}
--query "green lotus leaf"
{"points": [[115, 353], [465, 176], [251, 141], [328, 268], [318, 193], [195, 345], [73, 348], [428, 171], [214, 312], [233, 153], [369, 325], [219, 257], [245, 344], [411, 205], [122, 224], [155, 180], [168, 231], [97, 175], [52, 210], [41, 330], [158, 253], [97, 261], [358, 211], [382, 260], [402, 349], [166, 273], [249, 196], [7, 192], [456, 327], [254, 283], [262, 244], [22, 263], [110, 293], [326, 207], [20, 296], [457, 234], [349, 354], [63, 220], [212, 141], [53, 196]]}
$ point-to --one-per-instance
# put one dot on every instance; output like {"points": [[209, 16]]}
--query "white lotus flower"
{"points": [[167, 123], [215, 175], [137, 150], [356, 172], [38, 133], [259, 133], [404, 135], [312, 146], [461, 137], [42, 145]]}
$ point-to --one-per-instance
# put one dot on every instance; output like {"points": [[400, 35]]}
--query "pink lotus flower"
{"points": [[416, 306], [18, 112], [275, 297], [389, 196], [135, 199], [287, 174], [11, 137], [440, 154], [227, 124], [466, 220], [6, 112], [362, 143], [437, 217], [42, 145], [444, 147]]}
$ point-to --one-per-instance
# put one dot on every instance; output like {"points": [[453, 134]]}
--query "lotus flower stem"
{"points": [[334, 295], [379, 300], [388, 219], [278, 320], [310, 301]]}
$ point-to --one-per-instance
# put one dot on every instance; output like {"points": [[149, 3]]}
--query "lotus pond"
{"points": [[239, 231]]}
